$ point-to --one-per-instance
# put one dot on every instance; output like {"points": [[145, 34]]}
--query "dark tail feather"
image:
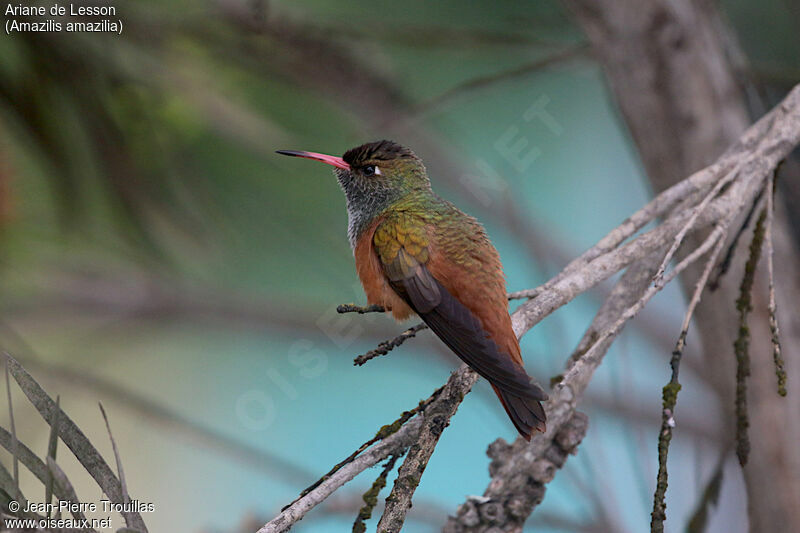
{"points": [[526, 414]]}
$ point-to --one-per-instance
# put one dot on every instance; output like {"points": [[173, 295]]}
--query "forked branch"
{"points": [[712, 197]]}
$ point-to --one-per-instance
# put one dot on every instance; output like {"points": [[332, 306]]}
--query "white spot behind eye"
{"points": [[378, 171]]}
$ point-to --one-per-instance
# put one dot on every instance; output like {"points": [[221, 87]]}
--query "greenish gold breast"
{"points": [[416, 223], [402, 229]]}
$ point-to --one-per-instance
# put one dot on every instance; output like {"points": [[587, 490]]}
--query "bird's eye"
{"points": [[371, 170]]}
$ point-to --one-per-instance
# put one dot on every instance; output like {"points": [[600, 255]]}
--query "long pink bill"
{"points": [[338, 162]]}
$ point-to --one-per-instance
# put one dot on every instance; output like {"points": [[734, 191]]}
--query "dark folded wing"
{"points": [[457, 326]]}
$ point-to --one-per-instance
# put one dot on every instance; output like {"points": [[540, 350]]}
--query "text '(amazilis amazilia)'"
{"points": [[417, 253]]}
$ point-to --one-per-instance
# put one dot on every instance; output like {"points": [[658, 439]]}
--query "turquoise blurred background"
{"points": [[157, 256]]}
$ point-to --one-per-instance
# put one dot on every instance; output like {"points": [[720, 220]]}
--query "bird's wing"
{"points": [[403, 250]]}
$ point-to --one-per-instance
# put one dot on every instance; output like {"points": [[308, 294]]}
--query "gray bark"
{"points": [[667, 67]]}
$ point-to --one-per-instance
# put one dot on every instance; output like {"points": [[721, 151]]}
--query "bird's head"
{"points": [[373, 176], [374, 172]]}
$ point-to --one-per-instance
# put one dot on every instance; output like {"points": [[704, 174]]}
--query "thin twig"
{"points": [[658, 279], [725, 264], [524, 294], [371, 496], [353, 308], [26, 456], [387, 346], [9, 488], [780, 371], [14, 440], [659, 206], [394, 438], [437, 418], [158, 414], [570, 283], [428, 36], [742, 344], [76, 441], [485, 81], [651, 291], [120, 472], [66, 488], [375, 454], [52, 446], [382, 434], [670, 395]]}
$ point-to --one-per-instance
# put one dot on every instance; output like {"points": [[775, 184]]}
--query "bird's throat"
{"points": [[361, 213], [365, 202]]}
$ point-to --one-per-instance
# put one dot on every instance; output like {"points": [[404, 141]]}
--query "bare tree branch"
{"points": [[774, 135], [14, 442], [780, 371], [160, 415], [565, 54], [670, 393], [512, 493], [387, 346], [754, 157], [759, 150], [76, 441], [400, 440], [437, 417], [741, 345], [671, 66], [518, 482], [370, 497]]}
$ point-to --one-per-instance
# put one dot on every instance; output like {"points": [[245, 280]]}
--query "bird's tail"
{"points": [[527, 414]]}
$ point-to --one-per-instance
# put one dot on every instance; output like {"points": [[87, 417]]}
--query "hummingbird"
{"points": [[416, 253]]}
